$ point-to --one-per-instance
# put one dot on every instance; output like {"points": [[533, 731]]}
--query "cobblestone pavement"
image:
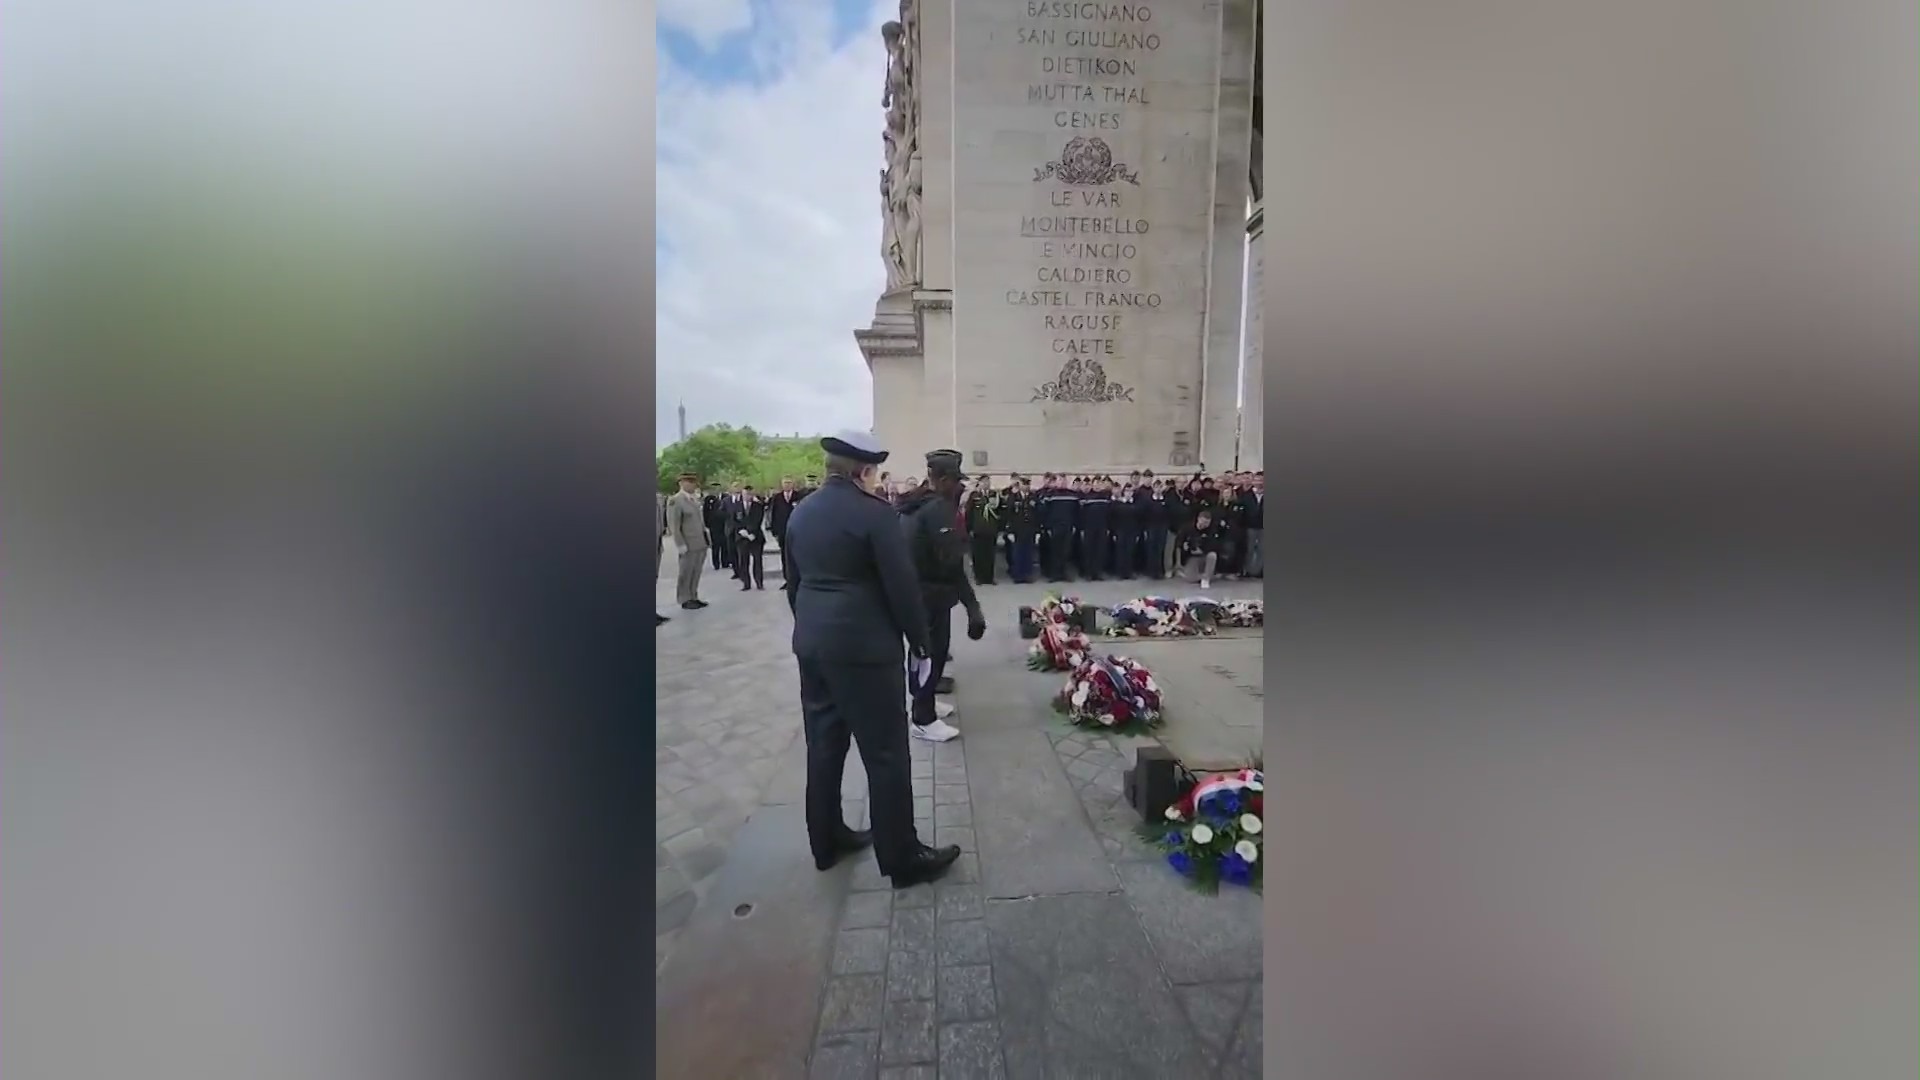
{"points": [[728, 706], [1059, 946]]}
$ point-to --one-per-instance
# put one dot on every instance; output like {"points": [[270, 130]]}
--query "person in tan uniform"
{"points": [[687, 527]]}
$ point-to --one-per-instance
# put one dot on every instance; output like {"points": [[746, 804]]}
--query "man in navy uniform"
{"points": [[1059, 509], [857, 619], [1096, 530], [1022, 523]]}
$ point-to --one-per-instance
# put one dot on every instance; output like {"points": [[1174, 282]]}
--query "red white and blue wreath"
{"points": [[1111, 693], [1215, 833], [1059, 648], [1159, 616]]}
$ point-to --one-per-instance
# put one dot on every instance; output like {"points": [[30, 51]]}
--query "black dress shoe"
{"points": [[659, 619], [698, 604], [690, 606], [744, 587], [926, 865], [944, 686], [848, 842]]}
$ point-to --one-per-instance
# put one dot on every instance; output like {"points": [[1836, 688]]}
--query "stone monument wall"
{"points": [[1087, 169]]}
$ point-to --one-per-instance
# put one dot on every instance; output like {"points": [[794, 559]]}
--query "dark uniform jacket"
{"points": [[712, 510], [850, 579], [1019, 517], [939, 553], [1059, 509]]}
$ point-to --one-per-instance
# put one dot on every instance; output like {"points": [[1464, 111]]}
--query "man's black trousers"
{"points": [[845, 704], [749, 561], [939, 643], [982, 558]]}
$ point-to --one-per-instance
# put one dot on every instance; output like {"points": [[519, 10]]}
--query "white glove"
{"points": [[680, 548], [745, 535]]}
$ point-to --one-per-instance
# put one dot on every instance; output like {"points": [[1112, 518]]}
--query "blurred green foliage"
{"points": [[721, 452]]}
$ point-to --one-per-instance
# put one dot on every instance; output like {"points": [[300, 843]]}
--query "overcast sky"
{"points": [[768, 210]]}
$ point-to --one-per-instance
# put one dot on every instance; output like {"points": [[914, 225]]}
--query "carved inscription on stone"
{"points": [[1083, 222]]}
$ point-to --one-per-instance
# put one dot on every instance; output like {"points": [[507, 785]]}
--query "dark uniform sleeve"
{"points": [[898, 579], [790, 570]]}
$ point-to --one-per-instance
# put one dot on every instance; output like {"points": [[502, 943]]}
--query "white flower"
{"points": [[1080, 694], [1202, 834], [1152, 686], [1247, 850], [1250, 825], [1173, 813], [1107, 719], [1255, 785]]}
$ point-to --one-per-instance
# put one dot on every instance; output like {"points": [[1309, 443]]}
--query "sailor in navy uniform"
{"points": [[857, 619]]}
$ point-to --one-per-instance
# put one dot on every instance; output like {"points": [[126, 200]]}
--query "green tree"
{"points": [[722, 453]]}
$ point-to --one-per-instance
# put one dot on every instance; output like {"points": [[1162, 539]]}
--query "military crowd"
{"points": [[873, 570], [1094, 527]]}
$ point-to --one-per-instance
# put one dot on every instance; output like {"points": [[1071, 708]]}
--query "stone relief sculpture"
{"points": [[1082, 382], [1086, 162], [900, 180]]}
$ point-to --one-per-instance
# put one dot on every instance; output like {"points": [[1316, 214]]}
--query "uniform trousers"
{"points": [[719, 548], [1020, 559], [1126, 542], [939, 644], [982, 552], [1154, 561], [1058, 543], [858, 704], [686, 586]]}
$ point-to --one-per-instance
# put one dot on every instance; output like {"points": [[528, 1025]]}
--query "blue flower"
{"points": [[1236, 870], [1180, 862], [1175, 837], [1229, 803]]}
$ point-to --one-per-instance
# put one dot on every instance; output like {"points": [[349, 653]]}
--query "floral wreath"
{"points": [[1215, 832], [1155, 616], [1111, 693], [1059, 648]]}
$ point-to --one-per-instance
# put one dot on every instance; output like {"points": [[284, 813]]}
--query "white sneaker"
{"points": [[941, 710], [938, 731]]}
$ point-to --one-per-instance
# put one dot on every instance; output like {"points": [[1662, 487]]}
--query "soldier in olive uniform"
{"points": [[855, 600], [983, 528]]}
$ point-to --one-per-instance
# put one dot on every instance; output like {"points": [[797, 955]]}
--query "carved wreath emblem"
{"points": [[1086, 162], [1082, 382]]}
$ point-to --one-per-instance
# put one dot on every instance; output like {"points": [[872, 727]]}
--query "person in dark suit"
{"points": [[1150, 507], [713, 509], [748, 528], [855, 601], [779, 509]]}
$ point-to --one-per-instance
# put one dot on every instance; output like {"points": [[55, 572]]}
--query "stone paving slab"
{"points": [[1032, 833], [769, 926], [1080, 994], [1212, 690]]}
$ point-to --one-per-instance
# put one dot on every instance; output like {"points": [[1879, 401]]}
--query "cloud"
{"points": [[707, 22], [768, 218]]}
